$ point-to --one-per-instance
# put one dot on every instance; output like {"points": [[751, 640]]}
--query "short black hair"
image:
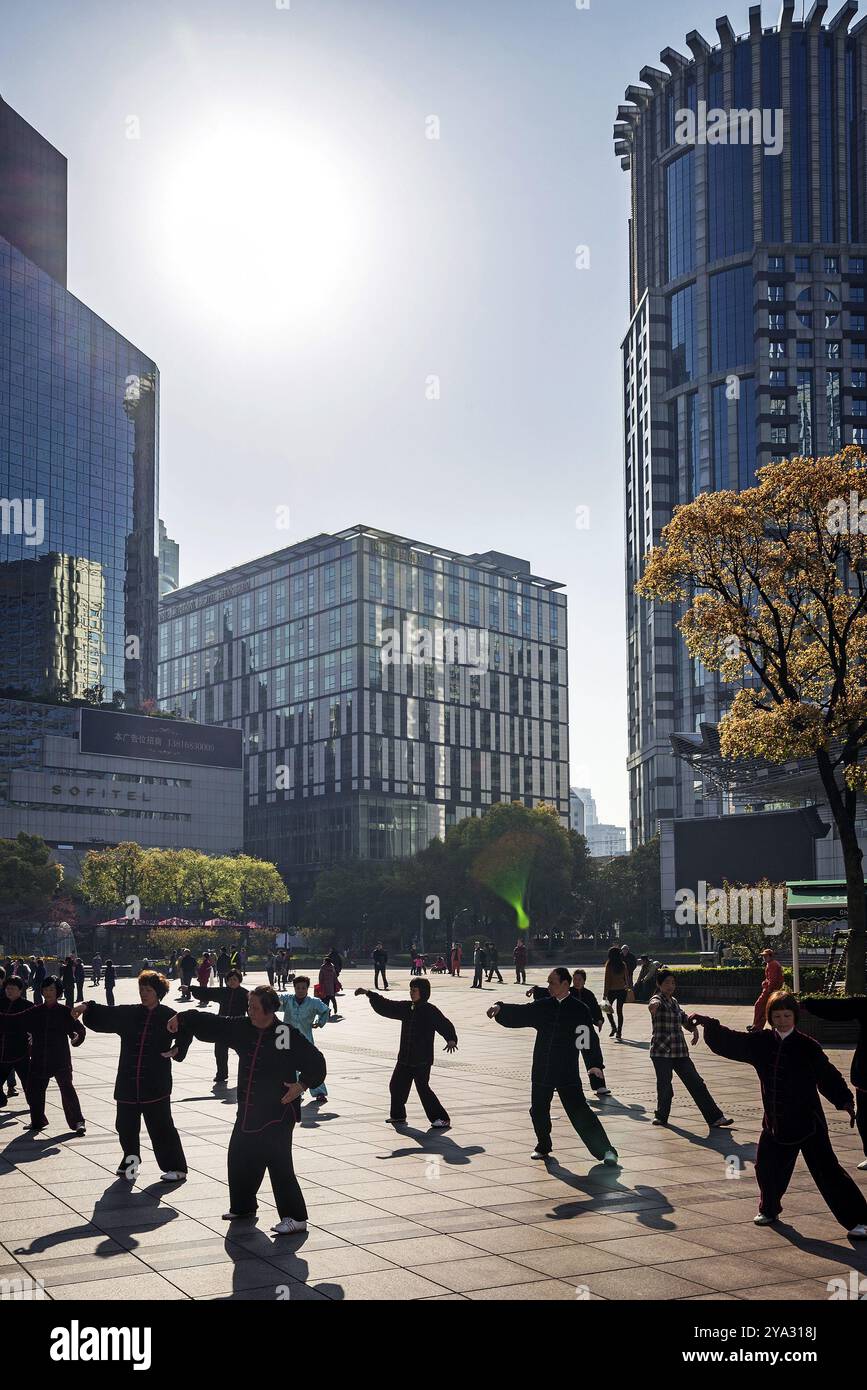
{"points": [[563, 975], [782, 999], [50, 982], [155, 981], [15, 980], [423, 987], [233, 970], [579, 971], [268, 998], [664, 975]]}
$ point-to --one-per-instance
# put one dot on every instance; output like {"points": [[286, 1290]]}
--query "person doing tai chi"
{"points": [[419, 1021]]}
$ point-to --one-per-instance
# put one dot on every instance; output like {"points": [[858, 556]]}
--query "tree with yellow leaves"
{"points": [[774, 580]]}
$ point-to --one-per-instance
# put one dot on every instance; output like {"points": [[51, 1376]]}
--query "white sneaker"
{"points": [[441, 1124], [863, 1165], [80, 1129], [173, 1177], [762, 1220], [288, 1227], [858, 1232], [538, 1153], [610, 1157]]}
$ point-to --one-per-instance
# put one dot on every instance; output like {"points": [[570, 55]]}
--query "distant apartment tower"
{"points": [[748, 336], [169, 562], [347, 755], [603, 841]]}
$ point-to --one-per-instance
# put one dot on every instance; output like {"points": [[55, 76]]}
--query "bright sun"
{"points": [[261, 224]]}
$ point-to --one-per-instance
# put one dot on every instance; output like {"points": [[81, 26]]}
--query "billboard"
{"points": [[118, 735]]}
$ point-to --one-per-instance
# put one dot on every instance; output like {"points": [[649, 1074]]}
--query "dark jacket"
{"points": [[418, 1025], [555, 1055], [109, 977], [232, 1002], [143, 1074], [336, 960], [67, 977], [520, 955], [380, 957], [792, 1072], [585, 995], [843, 1011], [187, 967], [13, 1029], [50, 1032], [79, 972], [39, 974], [265, 1068], [223, 963]]}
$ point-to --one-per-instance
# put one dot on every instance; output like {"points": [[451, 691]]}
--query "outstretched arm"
{"points": [[389, 1008], [100, 1019], [829, 1081], [515, 1015], [446, 1029], [207, 996], [842, 1010], [207, 1028], [725, 1042]]}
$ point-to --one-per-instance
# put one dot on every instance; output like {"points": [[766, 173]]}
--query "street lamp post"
{"points": [[451, 934]]}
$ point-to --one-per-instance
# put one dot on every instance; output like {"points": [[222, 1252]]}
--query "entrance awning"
{"points": [[817, 898]]}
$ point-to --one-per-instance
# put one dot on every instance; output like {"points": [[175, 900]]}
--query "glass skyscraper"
{"points": [[348, 754], [78, 459], [748, 332]]}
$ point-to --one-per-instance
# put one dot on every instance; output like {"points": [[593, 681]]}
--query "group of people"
{"points": [[272, 1034]]}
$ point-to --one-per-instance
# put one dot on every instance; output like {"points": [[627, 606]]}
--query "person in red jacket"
{"points": [[793, 1072], [772, 982]]}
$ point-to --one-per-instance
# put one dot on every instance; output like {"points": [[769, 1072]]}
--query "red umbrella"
{"points": [[126, 922], [175, 922], [220, 922]]}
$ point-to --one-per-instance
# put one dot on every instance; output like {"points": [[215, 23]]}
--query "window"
{"points": [[856, 294], [858, 350], [776, 262], [776, 349], [731, 317], [777, 377], [859, 435], [803, 309], [832, 409], [859, 381], [777, 322], [857, 322], [779, 407], [681, 216], [775, 294], [832, 265], [805, 350], [779, 434], [683, 364], [805, 413], [802, 265], [856, 265], [859, 407], [832, 351]]}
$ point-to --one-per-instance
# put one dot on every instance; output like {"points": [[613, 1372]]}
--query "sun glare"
{"points": [[261, 225]]}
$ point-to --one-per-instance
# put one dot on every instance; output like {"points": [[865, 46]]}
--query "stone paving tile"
{"points": [[423, 1250], [723, 1271], [506, 1240], [481, 1272], [643, 1283], [547, 1290], [386, 1285], [224, 1277], [801, 1291], [654, 1249]]}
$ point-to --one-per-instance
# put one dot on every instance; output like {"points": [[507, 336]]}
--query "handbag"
{"points": [[630, 996]]}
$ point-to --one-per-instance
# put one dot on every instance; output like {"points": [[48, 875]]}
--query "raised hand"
{"points": [[494, 1010], [450, 1047]]}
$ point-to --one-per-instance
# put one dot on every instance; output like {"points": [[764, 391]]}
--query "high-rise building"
{"points": [[79, 567], [748, 332], [169, 562], [583, 807], [603, 841], [386, 689], [78, 458]]}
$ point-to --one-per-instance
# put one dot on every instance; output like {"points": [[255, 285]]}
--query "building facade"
{"points": [[169, 562], [386, 689], [78, 459], [85, 778], [748, 332]]}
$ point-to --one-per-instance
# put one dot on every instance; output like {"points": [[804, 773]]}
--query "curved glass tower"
{"points": [[748, 335]]}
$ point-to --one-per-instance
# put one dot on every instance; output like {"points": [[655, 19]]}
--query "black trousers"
{"points": [[495, 970], [400, 1086], [520, 975], [79, 991], [861, 1115], [168, 1149], [37, 1086], [250, 1156], [109, 995], [7, 1075], [477, 977], [69, 996], [377, 971], [580, 1116], [683, 1067], [775, 1164], [221, 1057], [617, 998]]}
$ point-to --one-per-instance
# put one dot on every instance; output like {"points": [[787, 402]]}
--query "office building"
{"points": [[748, 332], [386, 689]]}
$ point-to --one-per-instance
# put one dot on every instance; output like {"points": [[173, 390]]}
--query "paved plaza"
{"points": [[414, 1214]]}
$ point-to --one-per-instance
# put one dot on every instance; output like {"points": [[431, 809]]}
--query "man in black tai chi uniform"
{"points": [[271, 1055], [233, 1004]]}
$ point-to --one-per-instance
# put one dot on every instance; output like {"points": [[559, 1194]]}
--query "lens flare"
{"points": [[504, 868]]}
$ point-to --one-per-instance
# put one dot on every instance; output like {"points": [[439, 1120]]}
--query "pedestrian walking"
{"points": [[143, 1085], [519, 955], [96, 970], [79, 979], [110, 980], [203, 974], [67, 981], [564, 1028], [420, 1021], [457, 957], [40, 974], [302, 1010], [328, 983], [793, 1072], [771, 984], [186, 970], [480, 960], [615, 988], [670, 1056], [493, 962], [270, 1055], [221, 966], [270, 964], [380, 961]]}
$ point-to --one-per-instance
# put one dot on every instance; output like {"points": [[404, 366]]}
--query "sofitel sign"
{"points": [[111, 733]]}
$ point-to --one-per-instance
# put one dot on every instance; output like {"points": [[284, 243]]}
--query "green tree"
{"points": [[110, 876], [28, 878]]}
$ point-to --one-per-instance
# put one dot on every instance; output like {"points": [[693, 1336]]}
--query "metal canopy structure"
{"points": [[813, 902]]}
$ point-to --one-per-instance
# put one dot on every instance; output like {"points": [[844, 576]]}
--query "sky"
{"points": [[348, 233]]}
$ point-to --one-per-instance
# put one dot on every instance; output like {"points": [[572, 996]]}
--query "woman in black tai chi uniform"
{"points": [[233, 1004], [143, 1087], [51, 1028], [271, 1056]]}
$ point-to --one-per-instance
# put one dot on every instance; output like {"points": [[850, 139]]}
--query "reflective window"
{"points": [[772, 171], [798, 122], [832, 410], [730, 200], [681, 215], [720, 414], [731, 318], [805, 413], [747, 433], [683, 359]]}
